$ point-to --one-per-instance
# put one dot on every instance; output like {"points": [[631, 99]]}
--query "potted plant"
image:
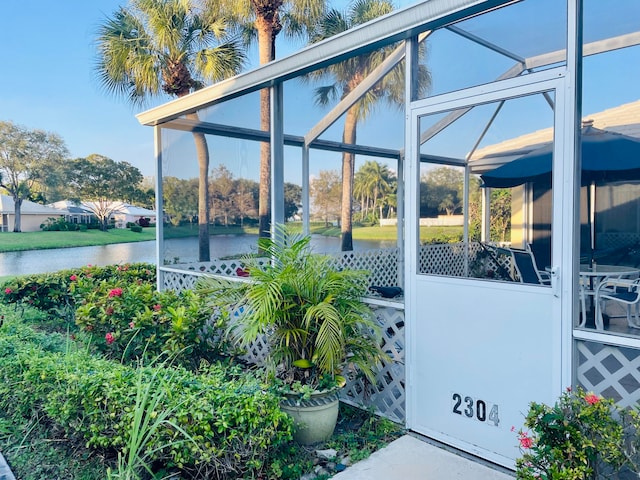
{"points": [[316, 325]]}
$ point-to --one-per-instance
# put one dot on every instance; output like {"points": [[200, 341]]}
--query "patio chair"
{"points": [[526, 268], [621, 290]]}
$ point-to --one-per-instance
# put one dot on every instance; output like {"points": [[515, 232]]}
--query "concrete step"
{"points": [[410, 458]]}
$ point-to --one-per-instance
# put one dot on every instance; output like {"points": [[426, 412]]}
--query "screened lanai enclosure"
{"points": [[516, 122]]}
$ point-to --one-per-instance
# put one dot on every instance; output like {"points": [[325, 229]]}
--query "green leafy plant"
{"points": [[582, 436], [58, 293], [135, 322], [150, 414], [135, 458], [310, 310]]}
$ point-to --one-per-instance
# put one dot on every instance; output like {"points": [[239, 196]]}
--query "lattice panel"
{"points": [[610, 371], [178, 281], [217, 266], [387, 395], [615, 240], [184, 276], [382, 264], [442, 259]]}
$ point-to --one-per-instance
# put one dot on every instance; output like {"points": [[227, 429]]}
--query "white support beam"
{"points": [[393, 27], [485, 43], [356, 94], [157, 145], [306, 197], [277, 157], [486, 215]]}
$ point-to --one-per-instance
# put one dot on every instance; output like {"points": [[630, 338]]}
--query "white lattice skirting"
{"points": [[610, 371]]}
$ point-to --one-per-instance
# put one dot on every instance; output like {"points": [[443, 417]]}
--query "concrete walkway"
{"points": [[409, 458], [5, 473]]}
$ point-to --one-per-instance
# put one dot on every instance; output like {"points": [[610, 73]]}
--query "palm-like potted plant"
{"points": [[312, 314]]}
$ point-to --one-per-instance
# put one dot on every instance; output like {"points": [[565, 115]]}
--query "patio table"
{"points": [[590, 278]]}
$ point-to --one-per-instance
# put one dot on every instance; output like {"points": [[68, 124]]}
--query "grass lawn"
{"points": [[388, 232], [12, 242], [183, 231]]}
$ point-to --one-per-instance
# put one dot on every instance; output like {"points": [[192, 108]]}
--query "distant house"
{"points": [[126, 213], [76, 213], [122, 214], [32, 214]]}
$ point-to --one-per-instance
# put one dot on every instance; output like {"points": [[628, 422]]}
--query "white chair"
{"points": [[622, 290]]}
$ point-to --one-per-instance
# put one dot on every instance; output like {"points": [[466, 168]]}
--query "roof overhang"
{"points": [[398, 25]]}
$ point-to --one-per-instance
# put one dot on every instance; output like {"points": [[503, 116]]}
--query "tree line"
{"points": [[232, 201], [35, 166]]}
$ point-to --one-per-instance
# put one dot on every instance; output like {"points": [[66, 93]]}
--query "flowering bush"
{"points": [[581, 437], [58, 293], [137, 322]]}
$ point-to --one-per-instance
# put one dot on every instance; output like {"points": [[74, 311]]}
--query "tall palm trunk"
{"points": [[348, 165], [202, 152], [266, 50]]}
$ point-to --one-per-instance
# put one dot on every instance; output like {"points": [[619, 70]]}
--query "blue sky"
{"points": [[47, 58]]}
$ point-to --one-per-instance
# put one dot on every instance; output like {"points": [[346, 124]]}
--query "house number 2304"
{"points": [[469, 407]]}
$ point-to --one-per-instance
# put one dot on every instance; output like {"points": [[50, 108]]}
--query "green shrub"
{"points": [[57, 293], [136, 228], [58, 225], [119, 308], [137, 322], [582, 436], [221, 423]]}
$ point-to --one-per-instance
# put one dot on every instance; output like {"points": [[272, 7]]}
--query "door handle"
{"points": [[554, 272]]}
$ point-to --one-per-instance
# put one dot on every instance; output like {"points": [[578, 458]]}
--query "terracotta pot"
{"points": [[314, 418]]}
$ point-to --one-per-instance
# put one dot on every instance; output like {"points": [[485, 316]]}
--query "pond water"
{"points": [[182, 249]]}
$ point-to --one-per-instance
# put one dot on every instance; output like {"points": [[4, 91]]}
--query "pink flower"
{"points": [[7, 290], [525, 440], [132, 325], [591, 398], [109, 338], [108, 311], [73, 278], [157, 307], [116, 292]]}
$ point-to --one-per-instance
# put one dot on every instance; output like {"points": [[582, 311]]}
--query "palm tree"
{"points": [[346, 76], [264, 20], [372, 182], [169, 46]]}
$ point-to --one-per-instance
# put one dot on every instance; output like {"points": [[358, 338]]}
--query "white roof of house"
{"points": [[137, 211], [624, 119], [28, 208], [125, 209]]}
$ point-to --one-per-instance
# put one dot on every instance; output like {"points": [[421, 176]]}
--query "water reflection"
{"points": [[182, 249]]}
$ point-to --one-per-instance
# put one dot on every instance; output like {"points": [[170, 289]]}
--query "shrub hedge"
{"points": [[221, 423], [119, 308]]}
